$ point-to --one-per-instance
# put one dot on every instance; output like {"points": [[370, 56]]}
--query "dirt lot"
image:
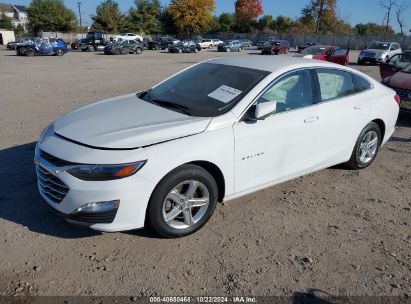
{"points": [[338, 231]]}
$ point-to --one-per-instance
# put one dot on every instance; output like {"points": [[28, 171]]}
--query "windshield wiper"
{"points": [[172, 105], [165, 104]]}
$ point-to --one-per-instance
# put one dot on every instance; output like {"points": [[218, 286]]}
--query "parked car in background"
{"points": [[230, 46], [246, 43], [146, 41], [326, 53], [207, 43], [234, 125], [379, 52], [76, 44], [271, 39], [42, 47], [128, 36], [217, 42], [124, 47], [395, 64], [162, 43], [12, 45], [261, 44], [303, 47], [185, 46], [276, 47], [93, 41], [401, 83]]}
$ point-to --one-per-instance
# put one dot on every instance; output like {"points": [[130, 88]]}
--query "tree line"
{"points": [[188, 17]]}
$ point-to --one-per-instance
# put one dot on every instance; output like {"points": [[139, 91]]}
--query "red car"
{"points": [[326, 53], [401, 83], [395, 64], [276, 47]]}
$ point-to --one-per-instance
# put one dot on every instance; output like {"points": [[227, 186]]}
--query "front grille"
{"points": [[403, 93], [55, 161], [50, 185]]}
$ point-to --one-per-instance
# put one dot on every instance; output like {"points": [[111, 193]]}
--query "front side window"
{"points": [[291, 92], [205, 90], [334, 83]]}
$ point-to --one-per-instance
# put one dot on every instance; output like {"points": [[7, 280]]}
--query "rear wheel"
{"points": [[240, 49], [59, 52], [90, 48], [117, 52], [180, 51], [366, 147], [138, 51], [29, 52], [182, 202], [228, 50]]}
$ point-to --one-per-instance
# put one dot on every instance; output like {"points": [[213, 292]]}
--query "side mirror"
{"points": [[263, 110]]}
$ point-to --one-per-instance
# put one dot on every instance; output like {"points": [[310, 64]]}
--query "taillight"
{"points": [[397, 99]]}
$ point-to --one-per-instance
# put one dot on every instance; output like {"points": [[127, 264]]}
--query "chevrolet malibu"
{"points": [[213, 132]]}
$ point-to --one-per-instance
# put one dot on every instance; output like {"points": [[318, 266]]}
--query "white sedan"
{"points": [[216, 131]]}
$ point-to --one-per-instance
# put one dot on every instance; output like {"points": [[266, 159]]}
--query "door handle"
{"points": [[311, 119], [358, 106]]}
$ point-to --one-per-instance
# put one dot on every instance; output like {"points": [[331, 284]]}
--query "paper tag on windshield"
{"points": [[225, 94]]}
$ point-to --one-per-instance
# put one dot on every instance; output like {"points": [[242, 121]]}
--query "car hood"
{"points": [[401, 80], [126, 122]]}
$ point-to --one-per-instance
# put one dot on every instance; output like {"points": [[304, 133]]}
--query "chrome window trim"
{"points": [[313, 104]]}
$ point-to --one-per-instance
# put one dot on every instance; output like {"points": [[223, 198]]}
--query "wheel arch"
{"points": [[382, 127], [216, 173]]}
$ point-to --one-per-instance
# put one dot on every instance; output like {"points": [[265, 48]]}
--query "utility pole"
{"points": [[79, 14]]}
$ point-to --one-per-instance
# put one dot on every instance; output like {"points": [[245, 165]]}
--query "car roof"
{"points": [[269, 63]]}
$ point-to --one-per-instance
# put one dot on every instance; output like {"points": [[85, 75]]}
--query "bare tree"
{"points": [[399, 14], [388, 5]]}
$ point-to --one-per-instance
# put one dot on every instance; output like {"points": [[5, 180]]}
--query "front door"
{"points": [[285, 144]]}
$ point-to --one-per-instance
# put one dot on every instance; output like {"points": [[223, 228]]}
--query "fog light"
{"points": [[98, 207]]}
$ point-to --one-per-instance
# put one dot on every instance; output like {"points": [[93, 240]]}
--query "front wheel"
{"points": [[138, 51], [90, 48], [182, 202], [29, 52], [59, 52], [366, 147], [240, 49]]}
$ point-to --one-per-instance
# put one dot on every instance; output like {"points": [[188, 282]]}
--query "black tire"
{"points": [[355, 162], [180, 51], [29, 52], [360, 62], [183, 173], [117, 51], [90, 48], [59, 52], [138, 51]]}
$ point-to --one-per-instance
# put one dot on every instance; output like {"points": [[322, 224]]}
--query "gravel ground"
{"points": [[342, 232]]}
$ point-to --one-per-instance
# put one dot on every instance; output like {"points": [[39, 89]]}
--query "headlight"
{"points": [[382, 55], [105, 172]]}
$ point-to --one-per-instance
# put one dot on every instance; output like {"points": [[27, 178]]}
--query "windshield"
{"points": [[379, 46], [314, 50], [205, 90], [407, 69]]}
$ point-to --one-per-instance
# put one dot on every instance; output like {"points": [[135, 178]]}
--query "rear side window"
{"points": [[334, 83], [360, 83]]}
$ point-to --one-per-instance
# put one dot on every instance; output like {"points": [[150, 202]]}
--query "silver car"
{"points": [[379, 52]]}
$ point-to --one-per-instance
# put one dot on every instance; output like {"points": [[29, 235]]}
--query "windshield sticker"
{"points": [[225, 94]]}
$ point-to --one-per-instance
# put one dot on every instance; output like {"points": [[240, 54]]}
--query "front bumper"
{"points": [[133, 193]]}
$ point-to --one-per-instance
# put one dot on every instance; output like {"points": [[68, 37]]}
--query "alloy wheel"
{"points": [[186, 204], [368, 147]]}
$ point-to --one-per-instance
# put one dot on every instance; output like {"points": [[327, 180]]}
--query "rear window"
{"points": [[360, 83]]}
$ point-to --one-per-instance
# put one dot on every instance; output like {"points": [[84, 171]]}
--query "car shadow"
{"points": [[314, 296], [404, 120], [20, 202]]}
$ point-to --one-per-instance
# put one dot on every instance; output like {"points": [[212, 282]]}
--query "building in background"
{"points": [[17, 13]]}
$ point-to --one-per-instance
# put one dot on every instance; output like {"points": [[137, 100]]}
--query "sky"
{"points": [[352, 11]]}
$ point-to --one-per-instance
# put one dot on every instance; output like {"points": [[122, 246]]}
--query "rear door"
{"points": [[344, 110]]}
